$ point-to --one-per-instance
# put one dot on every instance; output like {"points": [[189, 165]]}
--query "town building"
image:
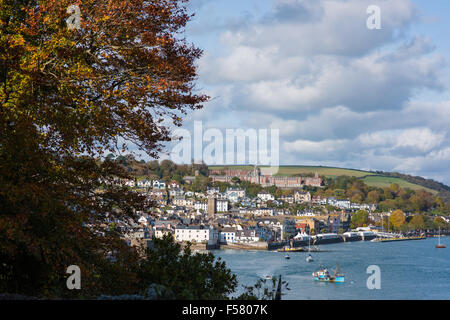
{"points": [[265, 196], [302, 197], [227, 235], [212, 206], [199, 234], [222, 205]]}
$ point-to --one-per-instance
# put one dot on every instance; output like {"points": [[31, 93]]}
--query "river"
{"points": [[409, 270]]}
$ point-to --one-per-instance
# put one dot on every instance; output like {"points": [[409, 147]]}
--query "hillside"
{"points": [[329, 172], [376, 179]]}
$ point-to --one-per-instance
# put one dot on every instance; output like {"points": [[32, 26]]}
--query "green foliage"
{"points": [[188, 275], [417, 222], [201, 183], [251, 189], [359, 219], [261, 291]]}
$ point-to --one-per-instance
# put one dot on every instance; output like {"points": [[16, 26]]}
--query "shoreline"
{"points": [[264, 246]]}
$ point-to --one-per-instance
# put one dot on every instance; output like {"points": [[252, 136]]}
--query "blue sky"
{"points": [[339, 93]]}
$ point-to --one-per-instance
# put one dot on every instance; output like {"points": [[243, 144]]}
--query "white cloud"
{"points": [[340, 94]]}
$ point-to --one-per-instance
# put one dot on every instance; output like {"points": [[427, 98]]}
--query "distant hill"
{"points": [[371, 178]]}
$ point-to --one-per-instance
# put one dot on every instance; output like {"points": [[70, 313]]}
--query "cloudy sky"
{"points": [[339, 93]]}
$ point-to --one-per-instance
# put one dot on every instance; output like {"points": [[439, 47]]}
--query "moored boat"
{"points": [[324, 275], [288, 249], [439, 245]]}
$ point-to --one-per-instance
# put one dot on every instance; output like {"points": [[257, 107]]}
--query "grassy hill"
{"points": [[383, 181], [370, 178], [329, 172]]}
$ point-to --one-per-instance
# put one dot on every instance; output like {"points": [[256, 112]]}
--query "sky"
{"points": [[339, 93]]}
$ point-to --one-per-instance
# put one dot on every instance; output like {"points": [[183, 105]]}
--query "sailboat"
{"points": [[439, 245], [309, 258]]}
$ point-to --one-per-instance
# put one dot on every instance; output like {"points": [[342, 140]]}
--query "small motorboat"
{"points": [[324, 275], [267, 277], [309, 258], [287, 256]]}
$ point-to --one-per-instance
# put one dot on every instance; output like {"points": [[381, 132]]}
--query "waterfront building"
{"points": [[199, 234], [247, 236], [227, 235]]}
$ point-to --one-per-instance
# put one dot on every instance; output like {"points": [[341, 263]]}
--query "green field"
{"points": [[329, 172], [370, 178], [381, 182]]}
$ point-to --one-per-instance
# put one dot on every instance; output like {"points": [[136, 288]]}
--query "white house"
{"points": [[343, 203], [189, 193], [198, 205], [196, 234], [129, 183], [287, 199], [246, 236], [176, 192], [235, 194], [212, 191], [263, 212], [222, 205], [174, 185], [302, 197], [227, 235], [159, 184], [265, 196], [144, 183]]}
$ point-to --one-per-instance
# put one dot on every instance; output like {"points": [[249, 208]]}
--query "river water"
{"points": [[409, 270]]}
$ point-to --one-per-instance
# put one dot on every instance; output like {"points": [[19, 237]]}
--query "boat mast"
{"points": [[388, 221], [439, 238]]}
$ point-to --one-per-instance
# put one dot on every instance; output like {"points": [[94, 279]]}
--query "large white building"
{"points": [[199, 205], [222, 205], [196, 234]]}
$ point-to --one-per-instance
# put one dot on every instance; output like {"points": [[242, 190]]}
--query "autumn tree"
{"points": [[422, 200], [126, 76], [360, 218], [417, 222], [397, 218], [373, 196], [440, 222]]}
